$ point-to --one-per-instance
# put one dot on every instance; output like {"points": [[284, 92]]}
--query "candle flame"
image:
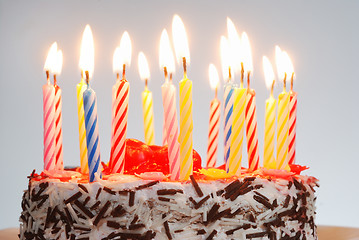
{"points": [[143, 66], [246, 54], [166, 54], [268, 72], [58, 63], [213, 76], [289, 69], [87, 51], [125, 50], [279, 63], [180, 39], [51, 58], [225, 57], [234, 46]]}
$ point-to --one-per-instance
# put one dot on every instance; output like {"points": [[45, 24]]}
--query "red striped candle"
{"points": [[292, 126]]}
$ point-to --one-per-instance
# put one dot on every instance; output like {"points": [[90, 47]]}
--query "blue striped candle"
{"points": [[228, 110], [92, 136]]}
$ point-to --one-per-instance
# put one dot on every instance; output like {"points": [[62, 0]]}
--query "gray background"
{"points": [[322, 38]]}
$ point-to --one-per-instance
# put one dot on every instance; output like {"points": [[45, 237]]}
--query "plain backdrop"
{"points": [[322, 38]]}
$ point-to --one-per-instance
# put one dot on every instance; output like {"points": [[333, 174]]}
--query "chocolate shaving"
{"points": [[169, 191], [83, 188], [221, 214], [82, 228], [167, 229], [101, 213], [113, 224], [244, 226], [178, 231], [201, 232], [147, 185], [290, 183], [84, 209], [49, 210], [263, 201], [256, 235], [219, 192], [106, 189], [286, 201], [124, 192], [210, 236], [249, 179], [275, 203], [98, 193], [96, 204], [68, 216], [149, 235], [118, 211], [259, 186], [201, 202], [212, 212], [231, 188], [86, 200], [134, 220], [241, 191], [192, 200], [297, 185], [163, 199], [136, 226], [272, 235], [289, 212], [73, 197], [261, 195], [251, 218], [131, 200], [196, 186]]}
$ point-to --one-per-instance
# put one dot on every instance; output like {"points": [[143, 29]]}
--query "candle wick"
{"points": [[124, 71], [285, 81], [242, 74], [166, 74], [215, 92], [248, 79], [48, 76], [87, 77], [229, 74], [118, 76], [291, 82], [271, 90], [55, 80], [146, 82], [184, 66], [171, 77]]}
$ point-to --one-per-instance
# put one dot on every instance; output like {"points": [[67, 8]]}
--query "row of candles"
{"points": [[239, 108]]}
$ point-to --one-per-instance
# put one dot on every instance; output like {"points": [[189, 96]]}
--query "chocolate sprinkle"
{"points": [[86, 200], [136, 226], [192, 200], [147, 185], [169, 191], [297, 185], [163, 199], [84, 209], [196, 186], [95, 205], [101, 213], [286, 202], [167, 228], [261, 195], [244, 226], [131, 200], [213, 233], [106, 189], [73, 197], [118, 211], [201, 232], [113, 224], [200, 203], [98, 193], [83, 188], [256, 235], [263, 201]]}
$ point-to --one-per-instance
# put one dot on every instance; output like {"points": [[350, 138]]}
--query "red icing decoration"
{"points": [[297, 169]]}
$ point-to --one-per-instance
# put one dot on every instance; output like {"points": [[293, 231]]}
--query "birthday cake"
{"points": [[265, 204]]}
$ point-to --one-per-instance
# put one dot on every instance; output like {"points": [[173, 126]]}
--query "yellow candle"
{"points": [[235, 157], [270, 112], [147, 101], [147, 105], [186, 128], [282, 130], [81, 87]]}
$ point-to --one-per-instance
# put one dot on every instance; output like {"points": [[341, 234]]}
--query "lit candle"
{"points": [[283, 114], [270, 112], [48, 91], [90, 106], [147, 101], [58, 113], [251, 109], [185, 91], [227, 98], [292, 112], [239, 98], [214, 115], [120, 91], [169, 107]]}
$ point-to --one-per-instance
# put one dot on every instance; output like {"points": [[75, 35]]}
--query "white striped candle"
{"points": [[58, 127]]}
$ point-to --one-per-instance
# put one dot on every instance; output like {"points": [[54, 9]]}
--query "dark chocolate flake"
{"points": [[261, 195], [147, 185], [167, 229], [201, 202], [163, 199], [211, 236], [297, 185], [108, 190], [101, 213], [98, 193], [286, 201], [256, 235], [118, 211], [201, 232], [131, 200], [113, 224], [196, 186], [84, 209], [263, 201], [169, 191], [73, 197], [96, 204], [244, 226], [83, 188], [136, 226]]}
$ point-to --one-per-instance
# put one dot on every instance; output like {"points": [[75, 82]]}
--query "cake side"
{"points": [[127, 207]]}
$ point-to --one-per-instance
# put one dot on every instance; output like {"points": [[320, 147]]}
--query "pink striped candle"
{"points": [[48, 91], [292, 125]]}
